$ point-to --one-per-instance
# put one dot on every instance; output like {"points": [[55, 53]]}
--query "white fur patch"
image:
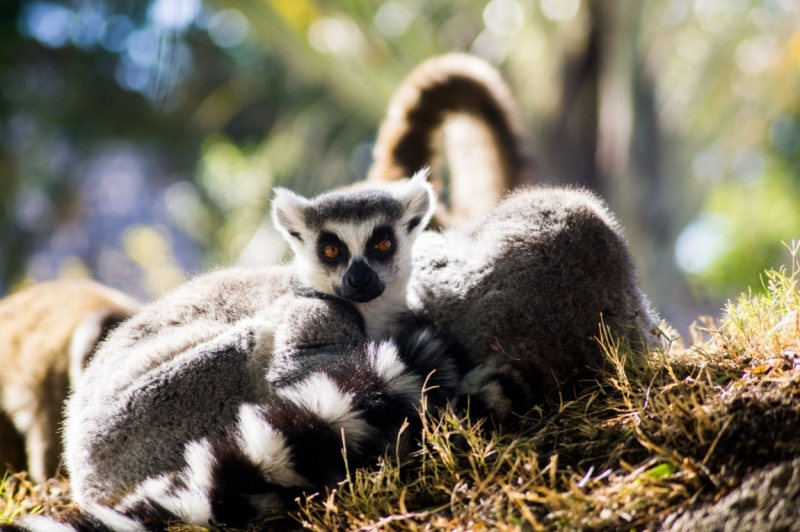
{"points": [[419, 200], [40, 523], [311, 274], [153, 488], [266, 448], [113, 519], [201, 463], [383, 358], [83, 341], [320, 395], [288, 211], [355, 234], [265, 339], [190, 503], [380, 314]]}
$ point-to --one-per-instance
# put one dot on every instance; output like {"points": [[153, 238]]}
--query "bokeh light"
{"points": [[228, 28], [174, 15], [560, 9], [702, 243], [48, 23], [139, 142], [394, 18]]}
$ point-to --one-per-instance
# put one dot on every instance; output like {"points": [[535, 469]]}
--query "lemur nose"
{"points": [[360, 275]]}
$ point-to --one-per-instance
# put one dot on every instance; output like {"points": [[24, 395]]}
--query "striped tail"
{"points": [[485, 145], [294, 442], [93, 518]]}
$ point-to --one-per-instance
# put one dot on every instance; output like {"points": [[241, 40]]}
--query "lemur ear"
{"points": [[288, 213], [419, 201]]}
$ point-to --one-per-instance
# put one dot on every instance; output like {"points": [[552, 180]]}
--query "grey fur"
{"points": [[257, 373], [526, 286], [522, 286], [119, 428], [353, 207], [232, 394]]}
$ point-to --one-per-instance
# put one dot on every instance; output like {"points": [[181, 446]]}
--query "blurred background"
{"points": [[139, 141]]}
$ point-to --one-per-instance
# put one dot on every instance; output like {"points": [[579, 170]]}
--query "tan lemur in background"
{"points": [[47, 333]]}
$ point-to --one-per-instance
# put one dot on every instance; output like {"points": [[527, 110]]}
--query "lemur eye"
{"points": [[331, 251], [384, 245]]}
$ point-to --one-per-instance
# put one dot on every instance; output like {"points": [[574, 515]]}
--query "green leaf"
{"points": [[661, 470]]}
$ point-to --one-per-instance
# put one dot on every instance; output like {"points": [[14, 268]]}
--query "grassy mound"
{"points": [[684, 440], [645, 447]]}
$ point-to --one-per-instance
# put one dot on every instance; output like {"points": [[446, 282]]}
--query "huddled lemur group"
{"points": [[239, 390]]}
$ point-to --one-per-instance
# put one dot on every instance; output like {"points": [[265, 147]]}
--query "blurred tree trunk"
{"points": [[573, 140], [606, 136], [11, 247]]}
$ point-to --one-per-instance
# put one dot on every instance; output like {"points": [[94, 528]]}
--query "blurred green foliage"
{"points": [[684, 114], [757, 222]]}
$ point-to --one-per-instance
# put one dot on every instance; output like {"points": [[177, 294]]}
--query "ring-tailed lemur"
{"points": [[47, 333], [237, 391], [523, 286]]}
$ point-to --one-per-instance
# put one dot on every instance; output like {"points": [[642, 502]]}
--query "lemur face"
{"points": [[355, 244]]}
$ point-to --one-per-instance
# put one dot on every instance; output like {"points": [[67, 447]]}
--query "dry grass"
{"points": [[19, 496], [679, 429]]}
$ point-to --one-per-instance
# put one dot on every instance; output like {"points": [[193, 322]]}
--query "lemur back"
{"points": [[234, 393], [525, 288], [47, 333]]}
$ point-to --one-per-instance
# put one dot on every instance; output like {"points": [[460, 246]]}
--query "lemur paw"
{"points": [[264, 336], [495, 390]]}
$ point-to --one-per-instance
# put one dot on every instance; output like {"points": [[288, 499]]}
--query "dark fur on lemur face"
{"points": [[357, 245]]}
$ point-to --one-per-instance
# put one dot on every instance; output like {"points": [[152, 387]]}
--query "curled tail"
{"points": [[485, 141], [302, 438], [94, 518]]}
